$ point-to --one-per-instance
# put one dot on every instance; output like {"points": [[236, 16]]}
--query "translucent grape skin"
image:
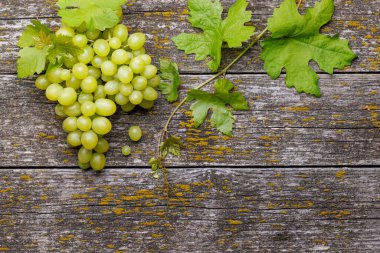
{"points": [[121, 32], [68, 96], [101, 47], [135, 133], [101, 125], [126, 150], [98, 162], [89, 140], [102, 146], [136, 41], [54, 91], [42, 82], [105, 107], [70, 124], [84, 155], [74, 138]]}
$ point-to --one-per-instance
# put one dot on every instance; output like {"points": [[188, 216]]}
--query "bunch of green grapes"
{"points": [[113, 70]]}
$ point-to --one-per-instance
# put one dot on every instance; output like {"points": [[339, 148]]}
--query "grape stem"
{"points": [[222, 72]]}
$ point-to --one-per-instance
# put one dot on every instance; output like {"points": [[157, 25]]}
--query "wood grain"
{"points": [[209, 210], [282, 127]]}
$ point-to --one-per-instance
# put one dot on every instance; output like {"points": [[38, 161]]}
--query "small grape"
{"points": [[94, 72], [109, 68], [93, 35], [69, 61], [65, 31], [146, 58], [111, 87], [120, 56], [80, 40], [84, 166], [128, 107], [84, 155], [120, 99], [105, 107], [150, 94], [54, 91], [87, 55], [84, 123], [98, 162], [135, 133], [73, 82], [139, 83], [125, 74], [126, 89], [101, 47], [106, 78], [136, 97], [149, 72], [154, 82], [59, 111], [146, 104], [80, 71], [115, 43], [102, 146], [89, 140], [72, 110], [42, 83], [74, 138], [126, 150], [54, 75], [121, 31], [136, 41], [139, 52], [101, 125], [84, 97], [89, 84], [137, 65], [68, 96], [70, 124], [100, 92], [88, 108], [98, 61]]}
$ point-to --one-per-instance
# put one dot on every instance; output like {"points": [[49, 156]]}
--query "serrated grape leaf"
{"points": [[222, 117], [296, 40], [172, 145], [170, 80], [32, 60], [32, 34], [207, 15], [62, 46], [97, 14]]}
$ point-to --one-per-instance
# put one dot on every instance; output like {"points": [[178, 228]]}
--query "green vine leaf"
{"points": [[171, 145], [169, 73], [32, 34], [296, 40], [97, 14], [32, 60], [222, 117], [62, 46], [207, 15]]}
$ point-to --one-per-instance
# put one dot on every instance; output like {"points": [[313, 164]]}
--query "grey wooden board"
{"points": [[208, 210], [282, 127]]}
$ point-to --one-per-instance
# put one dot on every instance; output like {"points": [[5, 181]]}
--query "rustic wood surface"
{"points": [[301, 174]]}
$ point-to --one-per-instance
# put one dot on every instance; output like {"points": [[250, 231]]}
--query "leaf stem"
{"points": [[222, 72]]}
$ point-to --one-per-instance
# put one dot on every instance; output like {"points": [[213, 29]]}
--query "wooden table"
{"points": [[301, 174]]}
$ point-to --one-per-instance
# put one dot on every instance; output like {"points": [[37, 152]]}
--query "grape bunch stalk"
{"points": [[112, 70]]}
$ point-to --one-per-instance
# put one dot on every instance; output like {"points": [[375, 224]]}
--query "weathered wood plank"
{"points": [[361, 30], [14, 9], [208, 210], [282, 127]]}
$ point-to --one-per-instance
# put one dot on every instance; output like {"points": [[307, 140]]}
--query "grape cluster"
{"points": [[113, 69]]}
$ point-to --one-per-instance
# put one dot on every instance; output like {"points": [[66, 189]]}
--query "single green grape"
{"points": [[84, 166], [135, 133], [105, 107], [106, 78], [54, 91], [88, 108], [139, 52], [128, 107], [126, 150], [149, 72], [98, 61], [68, 96], [115, 43], [154, 82], [101, 47], [89, 84], [89, 140], [136, 97], [84, 123], [101, 125], [65, 31], [150, 94], [100, 92], [72, 110], [84, 155], [87, 55], [109, 68], [136, 41], [139, 83], [125, 74], [120, 99], [93, 35], [73, 82], [121, 32], [84, 97], [120, 56], [65, 74], [137, 65], [94, 72], [54, 75], [42, 83], [69, 61], [146, 58], [102, 146], [80, 40], [74, 138], [98, 162], [126, 89], [70, 124], [111, 87], [59, 111], [80, 71], [145, 104]]}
